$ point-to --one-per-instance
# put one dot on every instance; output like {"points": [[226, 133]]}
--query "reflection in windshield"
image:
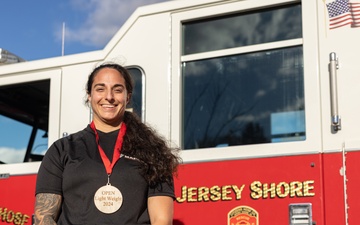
{"points": [[236, 100], [15, 138], [24, 118], [262, 26]]}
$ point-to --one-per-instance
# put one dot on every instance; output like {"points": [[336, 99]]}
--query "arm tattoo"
{"points": [[47, 208]]}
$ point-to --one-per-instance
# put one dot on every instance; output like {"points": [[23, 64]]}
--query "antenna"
{"points": [[63, 39]]}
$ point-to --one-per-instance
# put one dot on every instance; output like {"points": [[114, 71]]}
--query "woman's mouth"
{"points": [[108, 106]]}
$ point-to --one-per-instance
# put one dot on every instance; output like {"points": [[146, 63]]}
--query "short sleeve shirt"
{"points": [[73, 168]]}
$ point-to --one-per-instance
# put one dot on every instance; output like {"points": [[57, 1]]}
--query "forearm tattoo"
{"points": [[47, 208]]}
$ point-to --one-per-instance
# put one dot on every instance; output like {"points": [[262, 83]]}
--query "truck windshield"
{"points": [[24, 113]]}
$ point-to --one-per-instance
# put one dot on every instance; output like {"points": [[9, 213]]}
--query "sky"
{"points": [[33, 29]]}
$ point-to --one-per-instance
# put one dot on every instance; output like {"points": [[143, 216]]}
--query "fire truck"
{"points": [[261, 97]]}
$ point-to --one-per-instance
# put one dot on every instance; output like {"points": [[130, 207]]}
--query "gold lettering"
{"points": [[191, 193], [238, 191], [3, 213], [183, 195], [17, 219], [282, 186], [307, 187], [215, 194], [267, 189], [256, 191], [296, 189], [282, 189], [203, 194], [225, 193], [11, 218], [24, 219]]}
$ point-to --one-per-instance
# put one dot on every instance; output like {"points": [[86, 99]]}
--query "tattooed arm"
{"points": [[47, 208]]}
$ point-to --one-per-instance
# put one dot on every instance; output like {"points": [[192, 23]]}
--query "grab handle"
{"points": [[335, 117]]}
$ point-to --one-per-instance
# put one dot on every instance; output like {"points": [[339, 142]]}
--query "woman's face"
{"points": [[108, 97]]}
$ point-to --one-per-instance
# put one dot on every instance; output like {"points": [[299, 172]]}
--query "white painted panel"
{"points": [[146, 44], [75, 114], [344, 42]]}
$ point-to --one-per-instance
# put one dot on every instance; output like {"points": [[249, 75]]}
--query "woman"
{"points": [[115, 171]]}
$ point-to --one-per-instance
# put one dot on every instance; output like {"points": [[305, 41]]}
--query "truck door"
{"points": [[246, 86], [29, 121]]}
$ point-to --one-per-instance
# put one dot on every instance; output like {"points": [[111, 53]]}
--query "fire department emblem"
{"points": [[243, 215]]}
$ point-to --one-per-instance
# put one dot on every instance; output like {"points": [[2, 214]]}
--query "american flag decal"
{"points": [[342, 13]]}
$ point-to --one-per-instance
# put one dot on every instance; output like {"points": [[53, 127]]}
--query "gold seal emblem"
{"points": [[243, 215]]}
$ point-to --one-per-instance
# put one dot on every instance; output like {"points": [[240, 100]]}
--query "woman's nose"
{"points": [[109, 96]]}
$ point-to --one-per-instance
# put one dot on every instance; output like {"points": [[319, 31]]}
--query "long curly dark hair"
{"points": [[159, 161]]}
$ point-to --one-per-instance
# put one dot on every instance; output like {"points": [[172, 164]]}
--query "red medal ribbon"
{"points": [[117, 150]]}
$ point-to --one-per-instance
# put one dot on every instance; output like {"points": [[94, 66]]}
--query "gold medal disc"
{"points": [[108, 199]]}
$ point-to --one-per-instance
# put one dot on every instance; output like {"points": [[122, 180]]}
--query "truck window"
{"points": [[137, 104], [254, 91], [24, 113]]}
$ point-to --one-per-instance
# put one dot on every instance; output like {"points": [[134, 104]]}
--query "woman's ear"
{"points": [[128, 97]]}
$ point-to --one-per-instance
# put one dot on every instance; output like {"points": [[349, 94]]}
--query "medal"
{"points": [[108, 199]]}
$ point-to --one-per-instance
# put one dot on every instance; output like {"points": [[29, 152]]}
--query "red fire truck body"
{"points": [[261, 96]]}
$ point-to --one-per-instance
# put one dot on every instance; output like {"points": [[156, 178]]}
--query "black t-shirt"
{"points": [[72, 168]]}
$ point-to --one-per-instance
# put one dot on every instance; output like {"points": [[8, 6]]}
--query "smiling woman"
{"points": [[101, 165], [108, 95]]}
